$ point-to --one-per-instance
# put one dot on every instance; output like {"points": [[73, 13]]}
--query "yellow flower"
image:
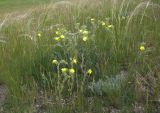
{"points": [[39, 34], [142, 48], [74, 60], [110, 26], [80, 30], [56, 38], [85, 38], [71, 71], [89, 71], [54, 62], [62, 36], [64, 70], [92, 19], [85, 32], [57, 33], [103, 23]]}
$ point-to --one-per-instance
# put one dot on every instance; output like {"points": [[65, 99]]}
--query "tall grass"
{"points": [[116, 31]]}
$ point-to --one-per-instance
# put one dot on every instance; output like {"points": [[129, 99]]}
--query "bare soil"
{"points": [[2, 94]]}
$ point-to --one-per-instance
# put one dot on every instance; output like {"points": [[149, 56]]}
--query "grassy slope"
{"points": [[114, 50]]}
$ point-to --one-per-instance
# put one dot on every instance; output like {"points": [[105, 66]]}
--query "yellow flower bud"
{"points": [[103, 23], [74, 61], [54, 62], [56, 38], [89, 71], [39, 35], [110, 26], [85, 32], [92, 19], [57, 33], [81, 31], [85, 38], [64, 70], [71, 71], [62, 36], [142, 48]]}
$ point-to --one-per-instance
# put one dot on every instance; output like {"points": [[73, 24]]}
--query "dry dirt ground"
{"points": [[2, 94]]}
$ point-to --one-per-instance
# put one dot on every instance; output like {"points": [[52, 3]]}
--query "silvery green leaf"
{"points": [[63, 62]]}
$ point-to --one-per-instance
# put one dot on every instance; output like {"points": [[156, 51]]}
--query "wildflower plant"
{"points": [[71, 71]]}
